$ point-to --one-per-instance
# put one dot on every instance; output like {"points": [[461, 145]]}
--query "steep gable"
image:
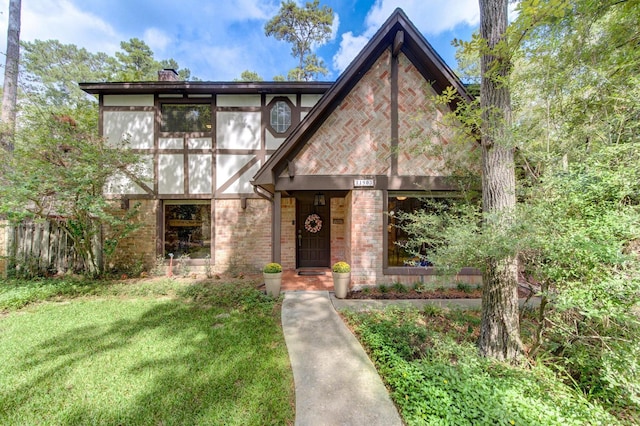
{"points": [[375, 118], [354, 138]]}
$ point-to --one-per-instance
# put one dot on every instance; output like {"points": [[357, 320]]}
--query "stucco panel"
{"points": [[134, 126]]}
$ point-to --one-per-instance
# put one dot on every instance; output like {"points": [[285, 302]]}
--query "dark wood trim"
{"points": [[129, 108], [263, 129], [384, 230], [247, 195], [138, 182], [398, 41], [394, 114], [101, 116], [184, 135], [185, 170], [179, 151], [276, 228], [214, 157], [235, 176], [295, 116], [205, 87], [382, 182], [239, 109], [227, 151], [157, 122], [184, 197]]}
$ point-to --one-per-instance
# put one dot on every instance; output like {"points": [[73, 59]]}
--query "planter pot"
{"points": [[341, 283], [272, 283]]}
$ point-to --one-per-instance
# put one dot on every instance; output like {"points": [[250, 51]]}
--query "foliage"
{"points": [[304, 28], [341, 267], [161, 352], [272, 268], [58, 170], [250, 76], [183, 265], [429, 361], [136, 63], [577, 221], [52, 70]]}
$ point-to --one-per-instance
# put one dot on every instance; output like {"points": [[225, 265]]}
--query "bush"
{"points": [[272, 268], [341, 267]]}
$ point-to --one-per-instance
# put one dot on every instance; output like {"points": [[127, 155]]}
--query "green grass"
{"points": [[430, 363], [165, 352]]}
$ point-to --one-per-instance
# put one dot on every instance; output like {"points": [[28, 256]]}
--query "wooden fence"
{"points": [[43, 248]]}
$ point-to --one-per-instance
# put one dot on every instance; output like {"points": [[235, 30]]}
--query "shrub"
{"points": [[272, 268], [341, 267]]}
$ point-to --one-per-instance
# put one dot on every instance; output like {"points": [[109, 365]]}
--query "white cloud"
{"points": [[335, 26], [156, 39], [429, 16], [63, 21], [350, 46]]}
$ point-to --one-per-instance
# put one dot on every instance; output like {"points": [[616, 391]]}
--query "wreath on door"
{"points": [[313, 223]]}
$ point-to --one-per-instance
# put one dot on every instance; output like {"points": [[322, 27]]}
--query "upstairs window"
{"points": [[280, 117], [186, 118]]}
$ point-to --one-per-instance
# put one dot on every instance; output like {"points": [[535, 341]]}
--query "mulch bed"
{"points": [[453, 293]]}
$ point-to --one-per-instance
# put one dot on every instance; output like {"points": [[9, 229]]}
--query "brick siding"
{"points": [[242, 236], [355, 137], [140, 245]]}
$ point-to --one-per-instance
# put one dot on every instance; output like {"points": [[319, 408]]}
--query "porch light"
{"points": [[401, 198], [318, 199]]}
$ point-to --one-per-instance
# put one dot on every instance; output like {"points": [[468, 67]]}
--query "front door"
{"points": [[312, 234]]}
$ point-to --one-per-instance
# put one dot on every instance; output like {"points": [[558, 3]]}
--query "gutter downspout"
{"points": [[262, 192]]}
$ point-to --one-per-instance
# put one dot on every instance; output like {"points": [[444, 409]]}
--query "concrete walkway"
{"points": [[335, 382]]}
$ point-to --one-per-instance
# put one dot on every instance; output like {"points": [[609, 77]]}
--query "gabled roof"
{"points": [[397, 33]]}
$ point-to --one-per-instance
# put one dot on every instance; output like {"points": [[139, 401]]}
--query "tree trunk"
{"points": [[9, 96], [500, 327]]}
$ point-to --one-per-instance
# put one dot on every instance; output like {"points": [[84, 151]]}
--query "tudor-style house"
{"points": [[301, 173]]}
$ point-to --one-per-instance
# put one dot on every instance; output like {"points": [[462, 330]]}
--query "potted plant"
{"points": [[341, 272], [272, 274]]}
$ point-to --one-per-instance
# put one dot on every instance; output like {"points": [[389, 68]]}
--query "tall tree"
{"points": [[500, 327], [10, 92], [52, 71], [305, 28], [249, 76]]}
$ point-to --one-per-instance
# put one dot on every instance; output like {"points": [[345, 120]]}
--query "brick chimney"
{"points": [[168, 74]]}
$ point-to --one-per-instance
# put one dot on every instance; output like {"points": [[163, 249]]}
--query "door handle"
{"points": [[299, 237]]}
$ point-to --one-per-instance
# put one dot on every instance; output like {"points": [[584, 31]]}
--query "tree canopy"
{"points": [[304, 28]]}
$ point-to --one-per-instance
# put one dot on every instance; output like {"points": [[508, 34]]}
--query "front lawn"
{"points": [[159, 353]]}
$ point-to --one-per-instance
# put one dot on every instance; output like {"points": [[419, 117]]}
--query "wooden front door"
{"points": [[313, 248]]}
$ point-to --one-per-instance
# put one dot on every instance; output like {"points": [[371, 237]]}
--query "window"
{"points": [[403, 248], [187, 229], [280, 117], [182, 118]]}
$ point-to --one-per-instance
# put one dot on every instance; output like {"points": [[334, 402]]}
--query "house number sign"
{"points": [[364, 183]]}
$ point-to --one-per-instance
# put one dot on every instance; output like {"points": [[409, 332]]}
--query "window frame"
{"points": [[294, 116], [185, 102], [165, 224], [406, 269]]}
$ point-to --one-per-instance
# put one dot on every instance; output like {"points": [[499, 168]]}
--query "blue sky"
{"points": [[218, 39]]}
